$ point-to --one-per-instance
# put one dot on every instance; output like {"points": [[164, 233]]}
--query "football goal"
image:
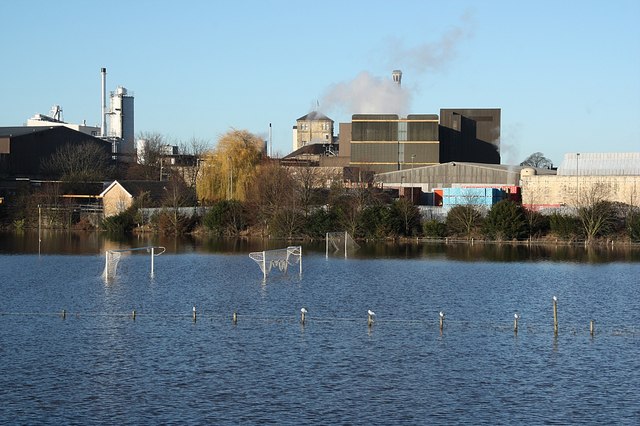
{"points": [[112, 258], [340, 243], [279, 258]]}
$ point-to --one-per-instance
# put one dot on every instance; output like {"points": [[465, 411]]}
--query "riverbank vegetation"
{"points": [[238, 192]]}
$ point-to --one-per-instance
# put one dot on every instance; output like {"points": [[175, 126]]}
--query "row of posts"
{"points": [[371, 318]]}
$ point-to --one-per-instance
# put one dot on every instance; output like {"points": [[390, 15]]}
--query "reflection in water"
{"points": [[61, 242], [101, 366]]}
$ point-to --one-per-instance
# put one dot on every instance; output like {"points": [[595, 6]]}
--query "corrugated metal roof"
{"points": [[600, 164]]}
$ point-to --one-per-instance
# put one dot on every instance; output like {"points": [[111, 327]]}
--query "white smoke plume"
{"points": [[367, 94], [430, 56]]}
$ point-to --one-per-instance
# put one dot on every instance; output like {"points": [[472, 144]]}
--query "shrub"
{"points": [[375, 222], [404, 218], [319, 222], [121, 223], [505, 221], [226, 218], [633, 226], [170, 222], [433, 228], [564, 226]]}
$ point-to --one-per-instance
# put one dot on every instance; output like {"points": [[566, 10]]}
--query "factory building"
{"points": [[470, 134], [22, 149], [312, 128], [583, 178], [117, 122], [55, 119], [386, 142]]}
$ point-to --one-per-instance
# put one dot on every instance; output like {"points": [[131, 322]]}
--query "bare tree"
{"points": [[177, 195], [537, 160], [596, 214], [409, 214], [463, 220], [274, 199], [79, 163], [194, 150], [308, 180]]}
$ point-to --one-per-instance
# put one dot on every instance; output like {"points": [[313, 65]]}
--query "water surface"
{"points": [[98, 365]]}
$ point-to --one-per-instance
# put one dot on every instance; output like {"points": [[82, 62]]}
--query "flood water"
{"points": [[96, 364]]}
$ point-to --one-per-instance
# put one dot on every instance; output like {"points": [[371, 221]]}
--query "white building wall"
{"points": [[88, 130]]}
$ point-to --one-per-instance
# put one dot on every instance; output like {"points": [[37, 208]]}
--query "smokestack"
{"points": [[397, 77], [270, 143], [103, 125]]}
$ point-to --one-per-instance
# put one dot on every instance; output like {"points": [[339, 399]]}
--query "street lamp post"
{"points": [[412, 157], [577, 178]]}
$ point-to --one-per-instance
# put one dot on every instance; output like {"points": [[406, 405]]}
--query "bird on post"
{"points": [[370, 317]]}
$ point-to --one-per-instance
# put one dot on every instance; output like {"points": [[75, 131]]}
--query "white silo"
{"points": [[121, 120]]}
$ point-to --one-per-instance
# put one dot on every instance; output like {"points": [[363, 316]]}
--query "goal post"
{"points": [[340, 243], [279, 258], [112, 258]]}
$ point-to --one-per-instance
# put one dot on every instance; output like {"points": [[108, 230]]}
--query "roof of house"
{"points": [[314, 115], [309, 149], [155, 189]]}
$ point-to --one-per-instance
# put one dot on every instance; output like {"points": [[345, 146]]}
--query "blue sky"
{"points": [[566, 74]]}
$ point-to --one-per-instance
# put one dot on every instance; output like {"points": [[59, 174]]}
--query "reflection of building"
{"points": [[312, 128]]}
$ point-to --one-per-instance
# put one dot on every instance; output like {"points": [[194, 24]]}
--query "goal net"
{"points": [[340, 244], [112, 259], [280, 259]]}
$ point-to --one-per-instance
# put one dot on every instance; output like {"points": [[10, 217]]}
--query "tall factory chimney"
{"points": [[397, 77], [103, 125]]}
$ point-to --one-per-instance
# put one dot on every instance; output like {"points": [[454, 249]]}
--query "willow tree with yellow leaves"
{"points": [[230, 168]]}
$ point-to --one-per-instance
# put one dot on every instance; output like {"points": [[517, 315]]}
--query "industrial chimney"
{"points": [[397, 77], [103, 125]]}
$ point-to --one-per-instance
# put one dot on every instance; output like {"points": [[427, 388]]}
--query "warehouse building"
{"points": [[584, 178], [22, 149], [387, 142]]}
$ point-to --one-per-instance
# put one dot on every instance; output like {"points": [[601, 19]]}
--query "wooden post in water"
{"points": [[441, 321], [592, 327], [555, 315], [133, 315], [303, 313], [195, 315], [516, 317], [370, 315], [234, 318], [64, 314]]}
